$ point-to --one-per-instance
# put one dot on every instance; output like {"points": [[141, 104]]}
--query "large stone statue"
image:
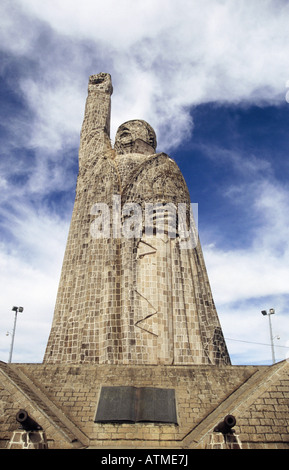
{"points": [[130, 293]]}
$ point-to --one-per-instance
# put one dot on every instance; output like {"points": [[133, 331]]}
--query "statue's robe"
{"points": [[138, 300]]}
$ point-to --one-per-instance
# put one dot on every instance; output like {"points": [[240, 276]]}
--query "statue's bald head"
{"points": [[135, 136]]}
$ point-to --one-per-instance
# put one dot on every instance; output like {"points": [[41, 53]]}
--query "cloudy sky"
{"points": [[212, 78]]}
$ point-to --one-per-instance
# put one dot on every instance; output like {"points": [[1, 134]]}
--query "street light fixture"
{"points": [[271, 312], [16, 310]]}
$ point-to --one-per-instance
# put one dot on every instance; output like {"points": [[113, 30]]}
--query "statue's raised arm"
{"points": [[95, 131]]}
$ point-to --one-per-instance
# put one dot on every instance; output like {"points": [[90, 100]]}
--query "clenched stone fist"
{"points": [[101, 82]]}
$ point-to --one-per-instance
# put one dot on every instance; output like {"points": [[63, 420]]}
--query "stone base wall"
{"points": [[63, 399], [198, 391]]}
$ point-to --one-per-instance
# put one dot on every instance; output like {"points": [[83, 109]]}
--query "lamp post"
{"points": [[271, 312], [16, 310]]}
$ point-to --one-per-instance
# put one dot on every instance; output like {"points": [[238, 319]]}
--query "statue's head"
{"points": [[135, 136]]}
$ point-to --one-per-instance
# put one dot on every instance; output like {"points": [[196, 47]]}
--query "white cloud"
{"points": [[30, 270], [164, 57], [57, 109], [120, 23], [245, 274], [250, 342], [262, 268]]}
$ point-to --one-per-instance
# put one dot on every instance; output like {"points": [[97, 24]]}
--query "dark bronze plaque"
{"points": [[136, 404]]}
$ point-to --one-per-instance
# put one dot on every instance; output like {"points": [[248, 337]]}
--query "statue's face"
{"points": [[134, 136]]}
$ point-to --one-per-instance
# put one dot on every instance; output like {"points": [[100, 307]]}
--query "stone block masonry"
{"points": [[136, 314], [130, 300], [64, 401]]}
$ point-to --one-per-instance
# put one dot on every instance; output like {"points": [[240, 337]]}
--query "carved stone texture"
{"points": [[130, 300]]}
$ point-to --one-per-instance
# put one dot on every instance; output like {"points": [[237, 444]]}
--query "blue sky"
{"points": [[211, 78]]}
